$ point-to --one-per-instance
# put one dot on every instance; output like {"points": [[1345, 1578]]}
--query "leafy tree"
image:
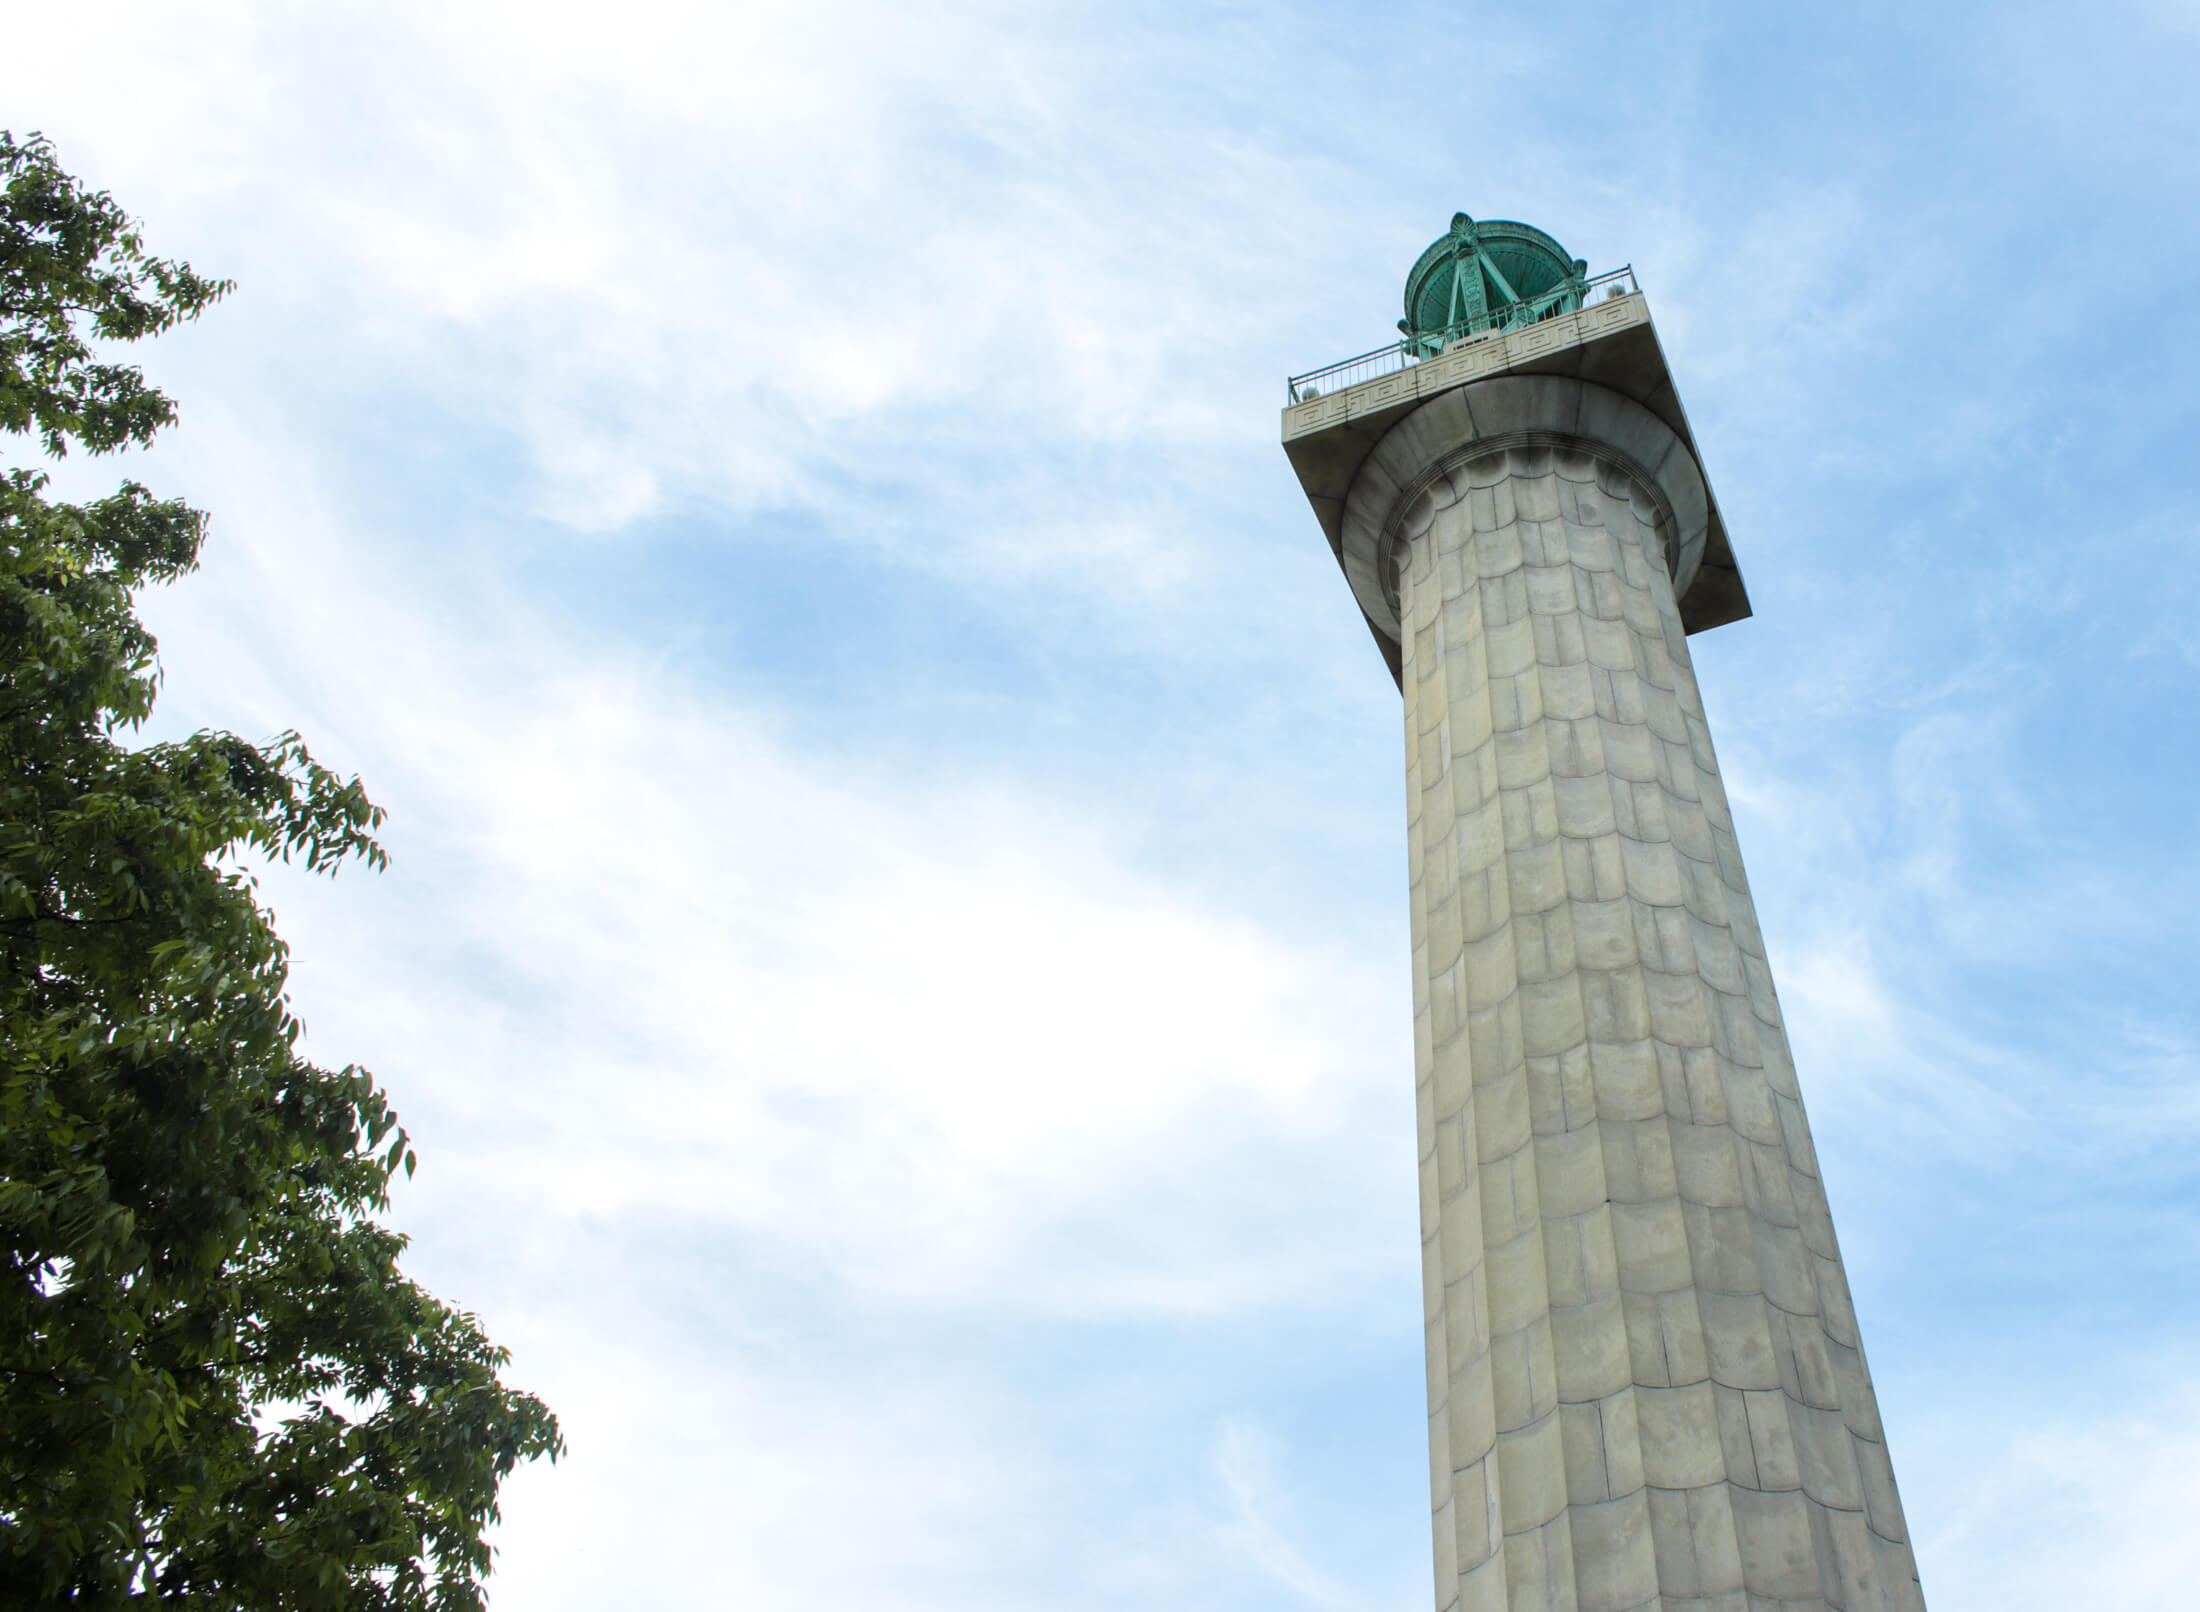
{"points": [[216, 1388]]}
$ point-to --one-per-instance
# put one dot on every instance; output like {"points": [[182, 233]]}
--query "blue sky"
{"points": [[895, 957]]}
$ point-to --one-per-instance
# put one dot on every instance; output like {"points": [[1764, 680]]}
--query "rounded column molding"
{"points": [[1511, 411]]}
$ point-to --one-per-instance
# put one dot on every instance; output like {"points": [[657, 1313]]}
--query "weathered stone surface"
{"points": [[1645, 1387]]}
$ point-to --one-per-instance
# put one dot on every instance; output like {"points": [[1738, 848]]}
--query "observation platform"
{"points": [[1333, 417]]}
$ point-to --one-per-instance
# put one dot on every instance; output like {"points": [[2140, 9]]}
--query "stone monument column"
{"points": [[1646, 1388]]}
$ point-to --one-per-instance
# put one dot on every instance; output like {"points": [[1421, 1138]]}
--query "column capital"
{"points": [[1508, 411]]}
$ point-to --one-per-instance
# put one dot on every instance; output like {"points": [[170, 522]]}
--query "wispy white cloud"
{"points": [[905, 1024], [2071, 1510], [737, 253], [685, 1006], [1272, 1545]]}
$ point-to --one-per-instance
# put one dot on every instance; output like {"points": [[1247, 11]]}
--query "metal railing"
{"points": [[1413, 349]]}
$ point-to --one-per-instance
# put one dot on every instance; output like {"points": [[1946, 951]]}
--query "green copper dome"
{"points": [[1495, 275]]}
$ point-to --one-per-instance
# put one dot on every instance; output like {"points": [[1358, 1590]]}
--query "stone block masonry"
{"points": [[1646, 1389]]}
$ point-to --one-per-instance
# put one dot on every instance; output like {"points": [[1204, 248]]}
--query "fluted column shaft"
{"points": [[1645, 1383]]}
